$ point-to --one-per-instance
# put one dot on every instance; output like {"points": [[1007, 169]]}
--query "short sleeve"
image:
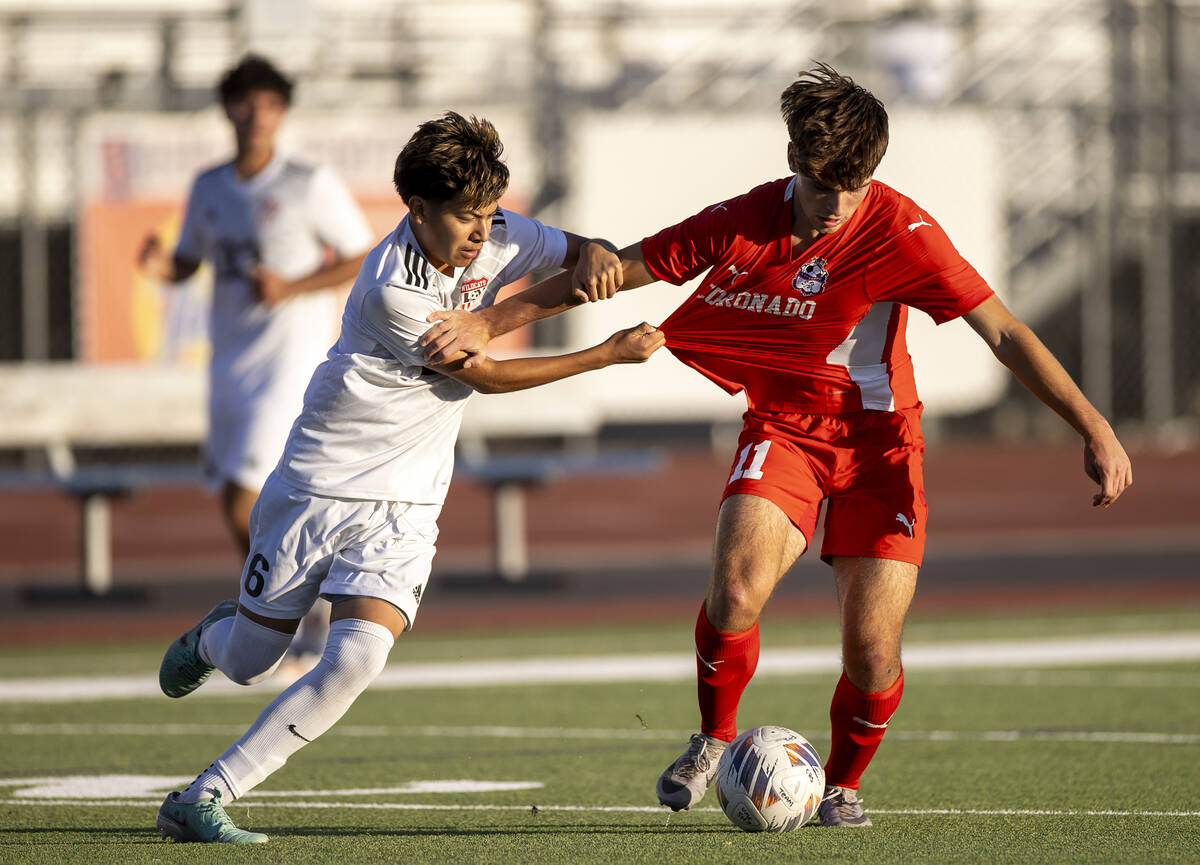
{"points": [[193, 243], [685, 250], [536, 246], [338, 218], [396, 316], [925, 271]]}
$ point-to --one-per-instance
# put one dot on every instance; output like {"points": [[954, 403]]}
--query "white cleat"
{"points": [[842, 807], [685, 781]]}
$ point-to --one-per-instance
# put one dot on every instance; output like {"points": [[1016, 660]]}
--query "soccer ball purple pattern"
{"points": [[770, 779]]}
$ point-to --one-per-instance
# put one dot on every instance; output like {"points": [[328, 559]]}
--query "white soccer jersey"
{"points": [[377, 424], [262, 357]]}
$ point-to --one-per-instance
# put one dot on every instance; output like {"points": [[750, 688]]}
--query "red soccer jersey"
{"points": [[818, 333]]}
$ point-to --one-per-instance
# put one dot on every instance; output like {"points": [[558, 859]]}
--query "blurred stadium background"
{"points": [[1057, 142]]}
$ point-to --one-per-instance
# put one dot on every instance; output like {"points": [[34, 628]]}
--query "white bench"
{"points": [[56, 408], [95, 489], [511, 475]]}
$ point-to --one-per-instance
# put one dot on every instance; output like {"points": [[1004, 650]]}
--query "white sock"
{"points": [[314, 627], [244, 651], [354, 654], [207, 785]]}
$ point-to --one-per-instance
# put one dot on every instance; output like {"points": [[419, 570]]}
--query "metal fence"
{"points": [[1097, 103]]}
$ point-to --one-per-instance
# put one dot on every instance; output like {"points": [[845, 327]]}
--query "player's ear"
{"points": [[793, 162], [417, 209]]}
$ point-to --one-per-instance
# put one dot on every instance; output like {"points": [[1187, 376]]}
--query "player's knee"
{"points": [[250, 670], [251, 653], [871, 666], [733, 607], [355, 663], [355, 653]]}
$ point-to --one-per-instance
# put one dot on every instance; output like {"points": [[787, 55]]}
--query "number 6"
{"points": [[255, 579]]}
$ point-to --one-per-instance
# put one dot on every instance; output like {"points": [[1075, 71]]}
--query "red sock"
{"points": [[724, 665], [859, 721]]}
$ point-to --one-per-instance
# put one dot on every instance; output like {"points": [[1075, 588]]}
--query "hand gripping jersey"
{"points": [[817, 333], [377, 424]]}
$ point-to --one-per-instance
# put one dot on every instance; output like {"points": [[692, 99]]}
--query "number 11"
{"points": [[754, 470]]}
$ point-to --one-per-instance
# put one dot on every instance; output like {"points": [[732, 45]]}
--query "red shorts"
{"points": [[866, 465]]}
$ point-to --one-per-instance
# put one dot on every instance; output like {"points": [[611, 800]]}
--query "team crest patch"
{"points": [[811, 277], [471, 290]]}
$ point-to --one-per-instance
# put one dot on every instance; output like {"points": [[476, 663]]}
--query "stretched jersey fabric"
{"points": [[376, 423], [817, 333], [282, 218]]}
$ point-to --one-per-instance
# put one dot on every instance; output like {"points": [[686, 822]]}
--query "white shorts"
{"points": [[303, 546], [246, 435]]}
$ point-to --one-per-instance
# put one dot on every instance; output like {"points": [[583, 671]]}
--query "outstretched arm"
{"points": [[455, 331], [632, 345], [1018, 348]]}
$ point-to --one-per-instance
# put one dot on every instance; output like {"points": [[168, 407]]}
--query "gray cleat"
{"points": [[685, 781], [205, 822], [182, 670], [842, 807]]}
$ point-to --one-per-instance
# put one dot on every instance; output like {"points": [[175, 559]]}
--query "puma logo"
{"points": [[735, 275], [907, 523], [913, 226]]}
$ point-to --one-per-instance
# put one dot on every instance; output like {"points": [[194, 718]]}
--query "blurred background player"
{"points": [[280, 235], [804, 307], [350, 513]]}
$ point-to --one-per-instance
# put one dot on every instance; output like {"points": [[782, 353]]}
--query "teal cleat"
{"points": [[205, 822], [182, 671]]}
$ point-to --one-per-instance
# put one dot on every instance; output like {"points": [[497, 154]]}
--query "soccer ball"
{"points": [[770, 779]]}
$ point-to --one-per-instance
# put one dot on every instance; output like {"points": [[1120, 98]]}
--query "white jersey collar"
{"points": [[268, 173]]}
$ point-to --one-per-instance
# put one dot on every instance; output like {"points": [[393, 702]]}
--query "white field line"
{"points": [[1132, 737], [1068, 679], [608, 809], [1024, 654]]}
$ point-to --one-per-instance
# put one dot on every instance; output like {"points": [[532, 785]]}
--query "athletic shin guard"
{"points": [[355, 653], [724, 665], [858, 722]]}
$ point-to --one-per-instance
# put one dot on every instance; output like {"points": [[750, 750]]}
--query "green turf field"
{"points": [[1021, 764]]}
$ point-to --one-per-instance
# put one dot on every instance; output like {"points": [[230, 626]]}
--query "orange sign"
{"points": [[126, 317]]}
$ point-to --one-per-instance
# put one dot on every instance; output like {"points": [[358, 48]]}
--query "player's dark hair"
{"points": [[452, 157], [253, 73], [839, 129]]}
